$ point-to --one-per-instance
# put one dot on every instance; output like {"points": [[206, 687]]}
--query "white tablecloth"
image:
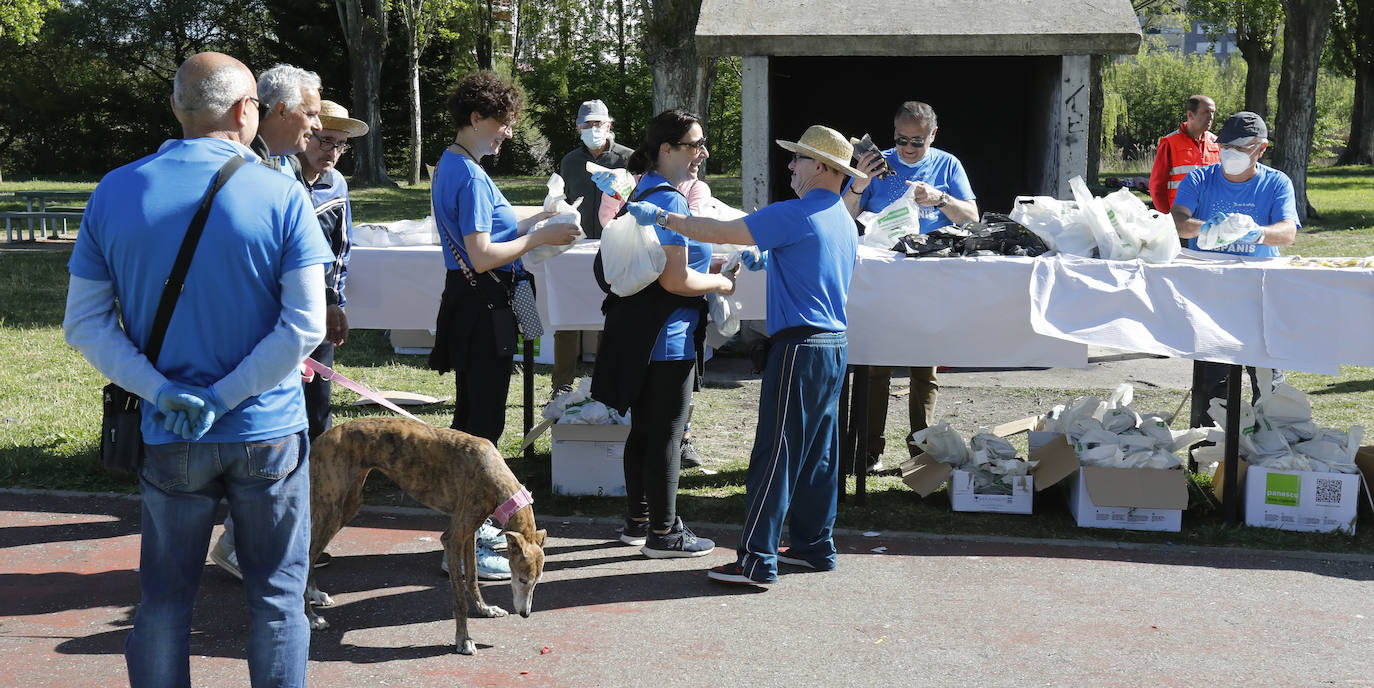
{"points": [[1262, 313], [902, 311]]}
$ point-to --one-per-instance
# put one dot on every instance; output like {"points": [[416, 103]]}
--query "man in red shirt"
{"points": [[1183, 151]]}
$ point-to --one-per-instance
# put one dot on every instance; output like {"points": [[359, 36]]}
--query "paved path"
{"points": [[924, 611]]}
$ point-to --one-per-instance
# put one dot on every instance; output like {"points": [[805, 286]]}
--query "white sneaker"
{"points": [[225, 557]]}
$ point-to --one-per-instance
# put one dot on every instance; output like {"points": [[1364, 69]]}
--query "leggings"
{"points": [[654, 448]]}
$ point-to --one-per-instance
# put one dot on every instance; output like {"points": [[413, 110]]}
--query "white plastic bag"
{"points": [[942, 443], [624, 183], [900, 218], [400, 233], [1057, 223], [631, 257], [555, 202], [1110, 244]]}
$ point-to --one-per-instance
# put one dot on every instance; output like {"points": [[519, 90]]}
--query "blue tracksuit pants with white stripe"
{"points": [[796, 458]]}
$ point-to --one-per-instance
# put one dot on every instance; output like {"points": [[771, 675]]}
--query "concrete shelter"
{"points": [[1009, 80]]}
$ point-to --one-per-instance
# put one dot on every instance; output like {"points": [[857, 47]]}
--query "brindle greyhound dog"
{"points": [[451, 471]]}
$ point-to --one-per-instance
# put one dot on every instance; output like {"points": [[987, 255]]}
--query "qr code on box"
{"points": [[1328, 491]]}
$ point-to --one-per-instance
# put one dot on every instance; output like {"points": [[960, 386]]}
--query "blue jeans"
{"points": [[795, 463], [267, 484]]}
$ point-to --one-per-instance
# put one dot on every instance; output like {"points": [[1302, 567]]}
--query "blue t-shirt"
{"points": [[937, 168], [812, 244], [676, 338], [260, 227], [466, 200], [1266, 197]]}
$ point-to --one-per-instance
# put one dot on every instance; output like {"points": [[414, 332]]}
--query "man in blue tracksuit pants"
{"points": [[808, 247]]}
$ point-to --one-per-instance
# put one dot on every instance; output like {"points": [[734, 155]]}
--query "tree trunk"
{"points": [[1304, 34], [1257, 61], [1095, 104], [364, 27], [682, 78], [1359, 149], [484, 28], [417, 152]]}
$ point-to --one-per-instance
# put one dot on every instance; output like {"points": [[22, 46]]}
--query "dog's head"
{"points": [[526, 566]]}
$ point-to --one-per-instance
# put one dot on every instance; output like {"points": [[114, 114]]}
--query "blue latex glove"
{"points": [[605, 182], [1252, 237], [180, 408], [754, 259], [213, 411], [643, 212]]}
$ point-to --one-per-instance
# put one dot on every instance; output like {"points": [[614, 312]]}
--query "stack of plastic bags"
{"points": [[1116, 227], [400, 233], [1278, 433], [555, 202], [989, 459], [1112, 435], [578, 408]]}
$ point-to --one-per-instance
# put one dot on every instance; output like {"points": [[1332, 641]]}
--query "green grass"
{"points": [[49, 411]]}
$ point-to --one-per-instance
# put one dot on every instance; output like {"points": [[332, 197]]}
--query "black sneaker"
{"points": [[634, 532], [678, 542], [690, 458], [732, 573], [785, 557]]}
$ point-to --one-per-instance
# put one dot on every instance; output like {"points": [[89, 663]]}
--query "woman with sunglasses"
{"points": [[653, 339]]}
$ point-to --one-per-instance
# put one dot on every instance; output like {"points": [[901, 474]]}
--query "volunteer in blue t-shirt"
{"points": [[808, 247], [941, 190], [662, 325], [475, 331], [1240, 207]]}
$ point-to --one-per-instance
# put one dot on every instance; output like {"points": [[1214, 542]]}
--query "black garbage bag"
{"points": [[998, 235], [940, 243]]}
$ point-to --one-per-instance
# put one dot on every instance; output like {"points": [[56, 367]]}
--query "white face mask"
{"points": [[594, 137], [1234, 162]]}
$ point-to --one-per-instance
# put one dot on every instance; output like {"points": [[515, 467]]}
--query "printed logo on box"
{"points": [[1281, 489]]}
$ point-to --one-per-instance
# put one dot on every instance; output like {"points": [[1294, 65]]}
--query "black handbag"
{"points": [[121, 432]]}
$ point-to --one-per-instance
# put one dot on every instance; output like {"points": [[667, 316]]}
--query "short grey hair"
{"points": [[913, 110], [214, 94], [283, 83]]}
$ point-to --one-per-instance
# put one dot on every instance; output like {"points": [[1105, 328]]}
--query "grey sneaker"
{"points": [[690, 458], [225, 557], [676, 543], [490, 565]]}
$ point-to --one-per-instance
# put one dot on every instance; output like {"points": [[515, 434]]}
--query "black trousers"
{"points": [[1210, 381], [653, 451], [317, 394], [479, 401]]}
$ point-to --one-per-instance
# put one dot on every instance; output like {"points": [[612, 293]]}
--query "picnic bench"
{"points": [[58, 215], [59, 221]]}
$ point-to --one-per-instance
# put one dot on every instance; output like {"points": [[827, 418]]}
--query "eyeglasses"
{"points": [[327, 145], [255, 100], [799, 156], [697, 144], [914, 141]]}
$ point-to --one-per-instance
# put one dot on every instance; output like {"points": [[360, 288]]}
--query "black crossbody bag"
{"points": [[121, 433]]}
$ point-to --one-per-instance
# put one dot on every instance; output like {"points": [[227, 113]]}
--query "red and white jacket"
{"points": [[1178, 155]]}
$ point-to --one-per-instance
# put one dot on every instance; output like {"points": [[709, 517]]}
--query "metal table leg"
{"points": [[859, 422], [528, 365], [1230, 497]]}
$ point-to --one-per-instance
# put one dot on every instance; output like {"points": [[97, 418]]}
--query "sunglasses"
{"points": [[698, 144], [910, 141]]}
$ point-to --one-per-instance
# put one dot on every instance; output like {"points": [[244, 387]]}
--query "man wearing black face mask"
{"points": [[598, 146], [942, 191]]}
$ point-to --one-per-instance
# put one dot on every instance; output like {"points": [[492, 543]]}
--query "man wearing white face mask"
{"points": [[1237, 206], [942, 191], [598, 146]]}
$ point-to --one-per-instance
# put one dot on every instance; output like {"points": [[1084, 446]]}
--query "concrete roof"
{"points": [[923, 28]]}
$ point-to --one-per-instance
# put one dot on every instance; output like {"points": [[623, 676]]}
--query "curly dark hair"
{"points": [[486, 94]]}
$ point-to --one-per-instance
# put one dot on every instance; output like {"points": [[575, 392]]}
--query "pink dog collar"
{"points": [[517, 501]]}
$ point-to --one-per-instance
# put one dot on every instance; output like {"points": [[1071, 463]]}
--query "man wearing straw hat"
{"points": [[808, 247]]}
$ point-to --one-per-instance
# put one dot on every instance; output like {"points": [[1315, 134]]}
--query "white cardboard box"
{"points": [[422, 342], [589, 459], [963, 498], [1301, 500]]}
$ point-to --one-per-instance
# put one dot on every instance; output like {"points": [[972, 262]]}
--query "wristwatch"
{"points": [[944, 200], [662, 219]]}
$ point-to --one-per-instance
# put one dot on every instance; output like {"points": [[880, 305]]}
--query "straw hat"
{"points": [[334, 116], [827, 145]]}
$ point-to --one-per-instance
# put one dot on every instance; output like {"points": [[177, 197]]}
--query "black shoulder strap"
{"points": [[171, 290]]}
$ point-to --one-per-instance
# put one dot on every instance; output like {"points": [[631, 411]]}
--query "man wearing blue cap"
{"points": [[598, 146], [1237, 206]]}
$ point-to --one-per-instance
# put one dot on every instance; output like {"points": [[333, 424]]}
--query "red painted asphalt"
{"points": [[922, 611]]}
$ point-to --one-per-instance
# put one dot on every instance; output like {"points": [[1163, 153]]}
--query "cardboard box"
{"points": [[589, 459], [542, 354], [924, 475], [412, 341], [1302, 501], [1124, 498]]}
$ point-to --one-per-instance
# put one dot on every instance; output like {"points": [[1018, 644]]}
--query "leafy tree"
{"points": [[20, 20], [1352, 53], [682, 78], [365, 32], [1257, 24], [1304, 34], [420, 20]]}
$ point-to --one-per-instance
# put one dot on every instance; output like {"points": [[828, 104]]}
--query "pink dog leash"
{"points": [[331, 375]]}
